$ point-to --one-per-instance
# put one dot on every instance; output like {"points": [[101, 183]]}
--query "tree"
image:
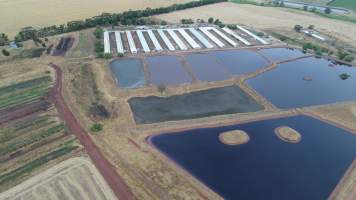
{"points": [[161, 88], [327, 10], [210, 20], [260, 34], [4, 40], [96, 127], [98, 32], [298, 28], [187, 21], [5, 52], [120, 55], [232, 26]]}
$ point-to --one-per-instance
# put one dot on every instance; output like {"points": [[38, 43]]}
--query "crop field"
{"points": [[349, 4], [31, 134], [37, 13]]}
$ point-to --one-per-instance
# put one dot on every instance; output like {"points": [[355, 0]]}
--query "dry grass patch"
{"points": [[288, 134], [266, 18], [235, 137], [54, 12]]}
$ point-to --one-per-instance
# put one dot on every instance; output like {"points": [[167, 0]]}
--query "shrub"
{"points": [[163, 23], [327, 10], [305, 7], [344, 76], [311, 27], [120, 55], [107, 55], [342, 55], [260, 34], [211, 20], [349, 58], [298, 28], [98, 32], [5, 52], [96, 127]]}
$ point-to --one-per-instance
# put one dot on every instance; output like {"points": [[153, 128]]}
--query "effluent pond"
{"points": [[128, 73], [265, 167], [176, 70], [306, 82]]}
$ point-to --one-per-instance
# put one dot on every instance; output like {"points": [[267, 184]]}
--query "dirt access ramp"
{"points": [[75, 178], [266, 18]]}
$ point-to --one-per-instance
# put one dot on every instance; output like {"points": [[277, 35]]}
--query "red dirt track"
{"points": [[107, 170]]}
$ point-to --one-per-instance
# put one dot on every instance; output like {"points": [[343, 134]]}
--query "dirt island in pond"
{"points": [[235, 137], [288, 134]]}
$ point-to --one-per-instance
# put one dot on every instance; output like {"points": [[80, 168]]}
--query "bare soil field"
{"points": [[17, 14], [266, 18], [75, 178]]}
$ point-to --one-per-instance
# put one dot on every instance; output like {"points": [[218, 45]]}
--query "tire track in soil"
{"points": [[107, 170]]}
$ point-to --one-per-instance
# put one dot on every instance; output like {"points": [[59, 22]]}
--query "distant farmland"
{"points": [[320, 2], [16, 14], [349, 4]]}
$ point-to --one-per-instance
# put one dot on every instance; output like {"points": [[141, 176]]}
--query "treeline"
{"points": [[106, 19]]}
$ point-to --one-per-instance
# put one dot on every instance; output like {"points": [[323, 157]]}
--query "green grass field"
{"points": [[349, 4]]}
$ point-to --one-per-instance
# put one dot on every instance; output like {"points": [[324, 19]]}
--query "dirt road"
{"points": [[107, 170]]}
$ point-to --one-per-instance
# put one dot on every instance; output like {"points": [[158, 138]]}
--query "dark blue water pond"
{"points": [[128, 73], [266, 167], [240, 62], [285, 86], [207, 68], [167, 70], [280, 54]]}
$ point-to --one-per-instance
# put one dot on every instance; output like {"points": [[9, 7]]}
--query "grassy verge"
{"points": [[31, 166]]}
